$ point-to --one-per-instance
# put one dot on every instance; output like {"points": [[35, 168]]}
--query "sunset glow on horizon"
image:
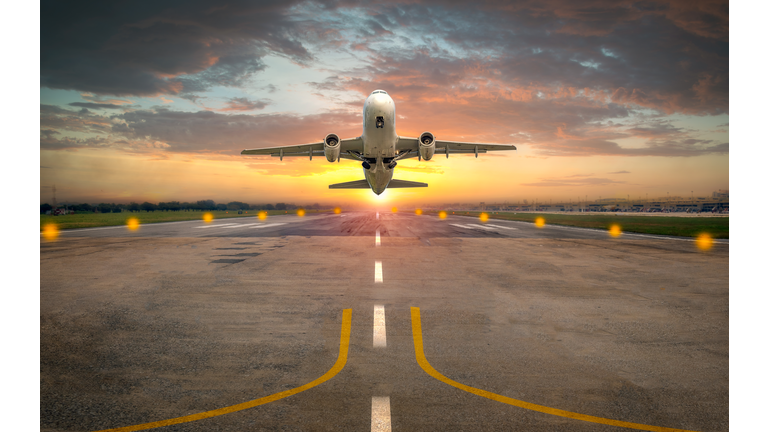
{"points": [[629, 105]]}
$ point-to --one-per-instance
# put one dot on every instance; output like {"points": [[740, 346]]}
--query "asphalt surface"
{"points": [[180, 318]]}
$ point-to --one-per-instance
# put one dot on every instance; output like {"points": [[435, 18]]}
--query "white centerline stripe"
{"points": [[378, 276], [377, 215], [380, 415], [460, 226], [379, 327], [378, 238], [216, 226]]}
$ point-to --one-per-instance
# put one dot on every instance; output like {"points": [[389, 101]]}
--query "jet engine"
{"points": [[331, 147], [426, 145]]}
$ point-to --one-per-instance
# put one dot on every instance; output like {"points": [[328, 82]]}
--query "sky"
{"points": [[153, 101]]}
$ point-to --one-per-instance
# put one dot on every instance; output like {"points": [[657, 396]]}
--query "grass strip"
{"points": [[94, 220], [680, 226]]}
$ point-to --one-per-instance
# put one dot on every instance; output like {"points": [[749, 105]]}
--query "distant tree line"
{"points": [[203, 205]]}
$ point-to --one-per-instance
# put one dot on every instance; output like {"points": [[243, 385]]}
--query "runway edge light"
{"points": [[615, 230], [132, 223], [50, 232], [704, 242]]}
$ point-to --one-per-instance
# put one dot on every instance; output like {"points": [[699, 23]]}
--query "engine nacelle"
{"points": [[426, 145], [332, 147]]}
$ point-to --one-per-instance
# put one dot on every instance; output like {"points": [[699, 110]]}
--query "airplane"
{"points": [[379, 148]]}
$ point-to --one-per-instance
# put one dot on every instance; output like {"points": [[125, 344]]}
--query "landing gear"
{"points": [[366, 165], [392, 165]]}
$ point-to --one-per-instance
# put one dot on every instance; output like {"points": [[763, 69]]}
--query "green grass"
{"points": [[93, 220], [717, 227]]}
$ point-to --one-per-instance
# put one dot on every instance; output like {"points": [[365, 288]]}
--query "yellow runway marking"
{"points": [[422, 360], [346, 326]]}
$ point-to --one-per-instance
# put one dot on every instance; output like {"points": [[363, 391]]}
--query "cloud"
{"points": [[422, 169], [159, 47], [98, 99], [95, 105], [565, 78], [666, 55], [291, 168], [620, 172], [244, 104], [551, 128], [570, 182], [202, 132], [49, 142]]}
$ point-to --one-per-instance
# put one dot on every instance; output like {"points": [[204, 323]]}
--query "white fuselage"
{"points": [[379, 139]]}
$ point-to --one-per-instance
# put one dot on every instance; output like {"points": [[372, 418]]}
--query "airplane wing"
{"points": [[313, 149], [449, 147]]}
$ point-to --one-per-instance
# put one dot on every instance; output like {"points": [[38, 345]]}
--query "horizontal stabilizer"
{"points": [[405, 184], [357, 184]]}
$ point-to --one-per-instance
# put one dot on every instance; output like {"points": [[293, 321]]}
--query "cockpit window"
{"points": [[379, 91]]}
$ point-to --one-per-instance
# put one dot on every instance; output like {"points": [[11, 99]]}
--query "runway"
{"points": [[177, 319], [355, 224]]}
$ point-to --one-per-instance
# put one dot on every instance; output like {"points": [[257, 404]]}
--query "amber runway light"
{"points": [[615, 231], [132, 224], [704, 242], [50, 232]]}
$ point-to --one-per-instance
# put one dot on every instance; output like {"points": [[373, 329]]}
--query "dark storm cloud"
{"points": [[671, 57], [667, 55], [167, 47]]}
